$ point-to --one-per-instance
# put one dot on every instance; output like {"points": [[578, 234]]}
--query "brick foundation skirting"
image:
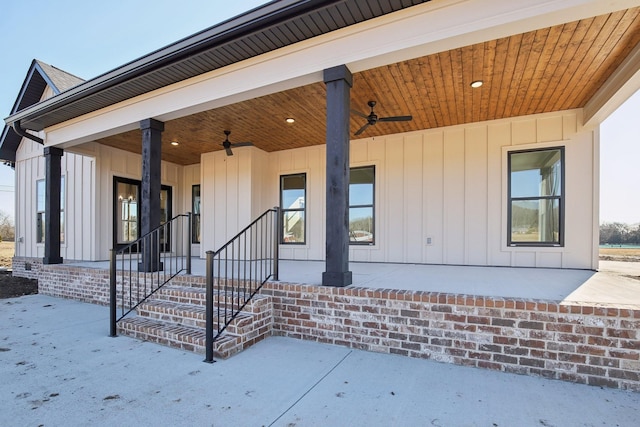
{"points": [[579, 343]]}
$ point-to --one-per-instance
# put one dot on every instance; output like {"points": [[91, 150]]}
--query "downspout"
{"points": [[23, 133]]}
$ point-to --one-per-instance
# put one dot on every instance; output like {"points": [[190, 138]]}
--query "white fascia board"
{"points": [[619, 87], [414, 32]]}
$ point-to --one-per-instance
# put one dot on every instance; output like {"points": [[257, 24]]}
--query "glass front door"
{"points": [[127, 208]]}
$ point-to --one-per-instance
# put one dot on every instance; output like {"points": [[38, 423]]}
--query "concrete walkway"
{"points": [[58, 367]]}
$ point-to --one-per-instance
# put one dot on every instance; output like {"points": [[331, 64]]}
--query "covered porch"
{"points": [[616, 284]]}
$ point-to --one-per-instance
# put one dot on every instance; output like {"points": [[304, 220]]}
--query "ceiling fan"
{"points": [[228, 144], [373, 118]]}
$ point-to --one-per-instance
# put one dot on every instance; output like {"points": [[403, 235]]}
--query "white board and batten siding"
{"points": [[446, 185], [79, 203], [449, 185], [232, 191], [112, 163]]}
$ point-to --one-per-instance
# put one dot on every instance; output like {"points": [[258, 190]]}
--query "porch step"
{"points": [[177, 336], [193, 315], [175, 317], [198, 296]]}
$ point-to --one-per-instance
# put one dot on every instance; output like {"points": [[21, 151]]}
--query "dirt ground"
{"points": [[10, 286], [620, 254]]}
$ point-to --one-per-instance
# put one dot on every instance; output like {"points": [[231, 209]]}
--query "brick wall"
{"points": [[26, 267], [584, 344]]}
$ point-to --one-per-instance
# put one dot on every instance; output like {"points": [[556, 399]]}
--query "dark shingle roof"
{"points": [[39, 76], [60, 79]]}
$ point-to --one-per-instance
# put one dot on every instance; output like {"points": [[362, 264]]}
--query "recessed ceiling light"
{"points": [[476, 83], [290, 120], [175, 143]]}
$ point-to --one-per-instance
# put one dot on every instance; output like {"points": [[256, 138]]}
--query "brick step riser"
{"points": [[186, 296], [186, 341], [200, 283], [240, 325]]}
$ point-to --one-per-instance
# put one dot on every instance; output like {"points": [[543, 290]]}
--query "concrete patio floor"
{"points": [[616, 283], [59, 368]]}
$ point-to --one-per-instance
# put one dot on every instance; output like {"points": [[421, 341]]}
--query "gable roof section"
{"points": [[269, 27], [39, 76]]}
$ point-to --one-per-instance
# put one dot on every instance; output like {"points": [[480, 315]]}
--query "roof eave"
{"points": [[253, 20]]}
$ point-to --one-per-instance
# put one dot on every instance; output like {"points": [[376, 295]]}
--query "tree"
{"points": [[616, 233], [7, 229]]}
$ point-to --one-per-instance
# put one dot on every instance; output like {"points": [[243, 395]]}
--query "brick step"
{"points": [[198, 296], [200, 282], [178, 336], [193, 315]]}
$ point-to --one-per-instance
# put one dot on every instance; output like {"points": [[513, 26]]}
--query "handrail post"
{"points": [[276, 243], [190, 230], [112, 293], [209, 310]]}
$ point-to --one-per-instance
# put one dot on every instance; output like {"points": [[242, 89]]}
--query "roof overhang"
{"points": [[261, 30], [373, 47]]}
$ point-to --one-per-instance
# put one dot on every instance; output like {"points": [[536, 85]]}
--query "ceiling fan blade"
{"points": [[241, 144], [396, 119], [358, 113], [228, 150], [362, 129]]}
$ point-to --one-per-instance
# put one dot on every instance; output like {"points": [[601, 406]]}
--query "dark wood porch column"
{"points": [[338, 81], [53, 157], [150, 192]]}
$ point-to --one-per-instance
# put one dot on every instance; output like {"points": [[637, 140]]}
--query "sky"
{"points": [[89, 38]]}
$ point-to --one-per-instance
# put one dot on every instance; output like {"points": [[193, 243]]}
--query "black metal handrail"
{"points": [[237, 271], [142, 267]]}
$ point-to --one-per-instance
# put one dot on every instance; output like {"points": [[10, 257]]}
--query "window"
{"points": [[361, 203], [126, 208], [40, 210], [195, 210], [292, 203], [536, 197]]}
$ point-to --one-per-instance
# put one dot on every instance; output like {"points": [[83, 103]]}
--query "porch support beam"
{"points": [[150, 192], [53, 175], [338, 81]]}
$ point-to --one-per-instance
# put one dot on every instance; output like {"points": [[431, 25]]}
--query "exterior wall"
{"points": [[112, 162], [79, 203], [88, 204], [450, 185], [232, 192]]}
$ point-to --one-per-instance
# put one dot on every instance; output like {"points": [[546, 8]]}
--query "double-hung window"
{"points": [[361, 205], [293, 189], [536, 197], [40, 210]]}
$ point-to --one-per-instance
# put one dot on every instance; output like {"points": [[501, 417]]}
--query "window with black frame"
{"points": [[195, 211], [536, 197], [361, 205], [293, 190], [40, 210]]}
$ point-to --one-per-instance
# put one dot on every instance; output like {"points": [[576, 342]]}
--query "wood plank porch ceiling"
{"points": [[546, 70]]}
